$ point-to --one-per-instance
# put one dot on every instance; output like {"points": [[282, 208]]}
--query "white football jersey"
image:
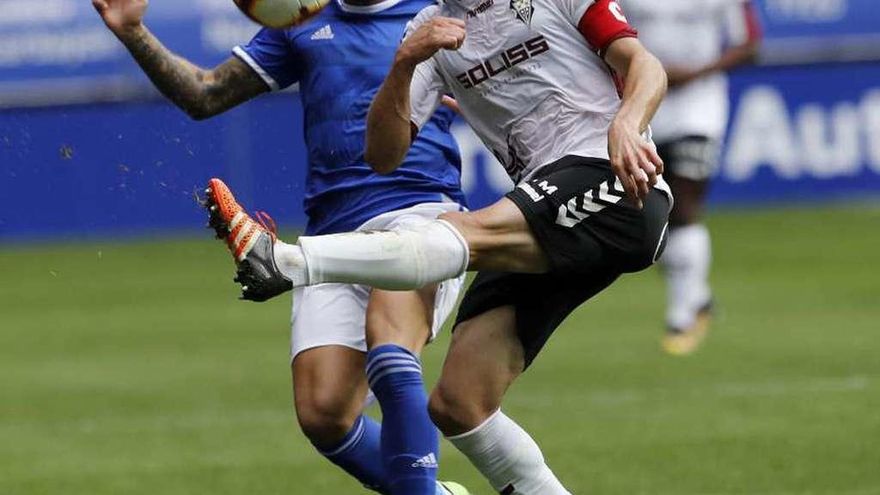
{"points": [[692, 34], [527, 79]]}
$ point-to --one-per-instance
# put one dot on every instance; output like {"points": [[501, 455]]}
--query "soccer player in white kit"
{"points": [[562, 92], [698, 41]]}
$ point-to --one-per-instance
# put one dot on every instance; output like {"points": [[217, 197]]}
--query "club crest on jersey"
{"points": [[523, 10]]}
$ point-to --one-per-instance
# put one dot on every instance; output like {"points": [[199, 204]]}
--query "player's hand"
{"points": [[634, 160], [435, 34], [121, 16]]}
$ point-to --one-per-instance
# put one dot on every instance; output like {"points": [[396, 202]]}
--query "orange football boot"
{"points": [[251, 243]]}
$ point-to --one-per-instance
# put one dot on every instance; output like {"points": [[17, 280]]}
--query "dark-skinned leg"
{"points": [[690, 199]]}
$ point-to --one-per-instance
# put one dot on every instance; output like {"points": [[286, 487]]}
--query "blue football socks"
{"points": [[359, 454], [410, 443]]}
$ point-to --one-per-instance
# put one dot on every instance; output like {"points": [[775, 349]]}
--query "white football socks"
{"points": [[291, 263], [405, 258], [508, 457], [686, 268]]}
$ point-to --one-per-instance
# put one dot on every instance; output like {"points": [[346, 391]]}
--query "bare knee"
{"points": [[325, 418], [329, 388]]}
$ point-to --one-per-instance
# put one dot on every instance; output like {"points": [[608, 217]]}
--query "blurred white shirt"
{"points": [[692, 34]]}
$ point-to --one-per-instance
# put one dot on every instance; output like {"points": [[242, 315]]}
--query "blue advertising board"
{"points": [[803, 133], [813, 31], [133, 168], [819, 18]]}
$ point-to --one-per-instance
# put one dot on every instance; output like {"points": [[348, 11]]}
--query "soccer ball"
{"points": [[280, 13]]}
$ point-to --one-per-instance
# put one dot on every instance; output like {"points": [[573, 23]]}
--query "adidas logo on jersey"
{"points": [[325, 33], [429, 461], [608, 193]]}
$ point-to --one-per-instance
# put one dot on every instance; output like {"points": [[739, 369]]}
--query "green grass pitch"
{"points": [[130, 368]]}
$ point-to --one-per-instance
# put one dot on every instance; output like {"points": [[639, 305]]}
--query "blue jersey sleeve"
{"points": [[271, 55]]}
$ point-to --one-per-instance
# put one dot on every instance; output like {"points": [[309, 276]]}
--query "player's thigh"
{"points": [[499, 239], [403, 318], [484, 359]]}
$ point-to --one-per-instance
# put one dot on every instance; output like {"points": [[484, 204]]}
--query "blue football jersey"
{"points": [[340, 59]]}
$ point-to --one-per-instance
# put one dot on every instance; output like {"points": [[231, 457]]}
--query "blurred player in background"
{"points": [[697, 41], [339, 60]]}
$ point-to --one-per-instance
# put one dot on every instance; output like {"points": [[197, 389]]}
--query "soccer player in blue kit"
{"points": [[346, 339]]}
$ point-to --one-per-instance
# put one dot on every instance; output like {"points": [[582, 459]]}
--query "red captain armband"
{"points": [[603, 23]]}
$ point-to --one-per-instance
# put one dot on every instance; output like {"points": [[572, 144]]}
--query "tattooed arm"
{"points": [[201, 93]]}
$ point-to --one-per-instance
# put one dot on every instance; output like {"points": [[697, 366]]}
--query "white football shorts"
{"points": [[335, 314]]}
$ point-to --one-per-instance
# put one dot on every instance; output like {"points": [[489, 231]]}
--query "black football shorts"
{"points": [[591, 234]]}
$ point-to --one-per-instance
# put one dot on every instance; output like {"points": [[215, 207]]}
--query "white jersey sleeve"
{"points": [[427, 87]]}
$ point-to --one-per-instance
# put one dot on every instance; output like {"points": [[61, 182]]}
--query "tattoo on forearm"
{"points": [[199, 92]]}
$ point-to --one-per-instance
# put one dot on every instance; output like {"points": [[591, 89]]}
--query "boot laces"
{"points": [[267, 222]]}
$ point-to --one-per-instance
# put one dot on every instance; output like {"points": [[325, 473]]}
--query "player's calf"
{"points": [[405, 258], [485, 357], [453, 414]]}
